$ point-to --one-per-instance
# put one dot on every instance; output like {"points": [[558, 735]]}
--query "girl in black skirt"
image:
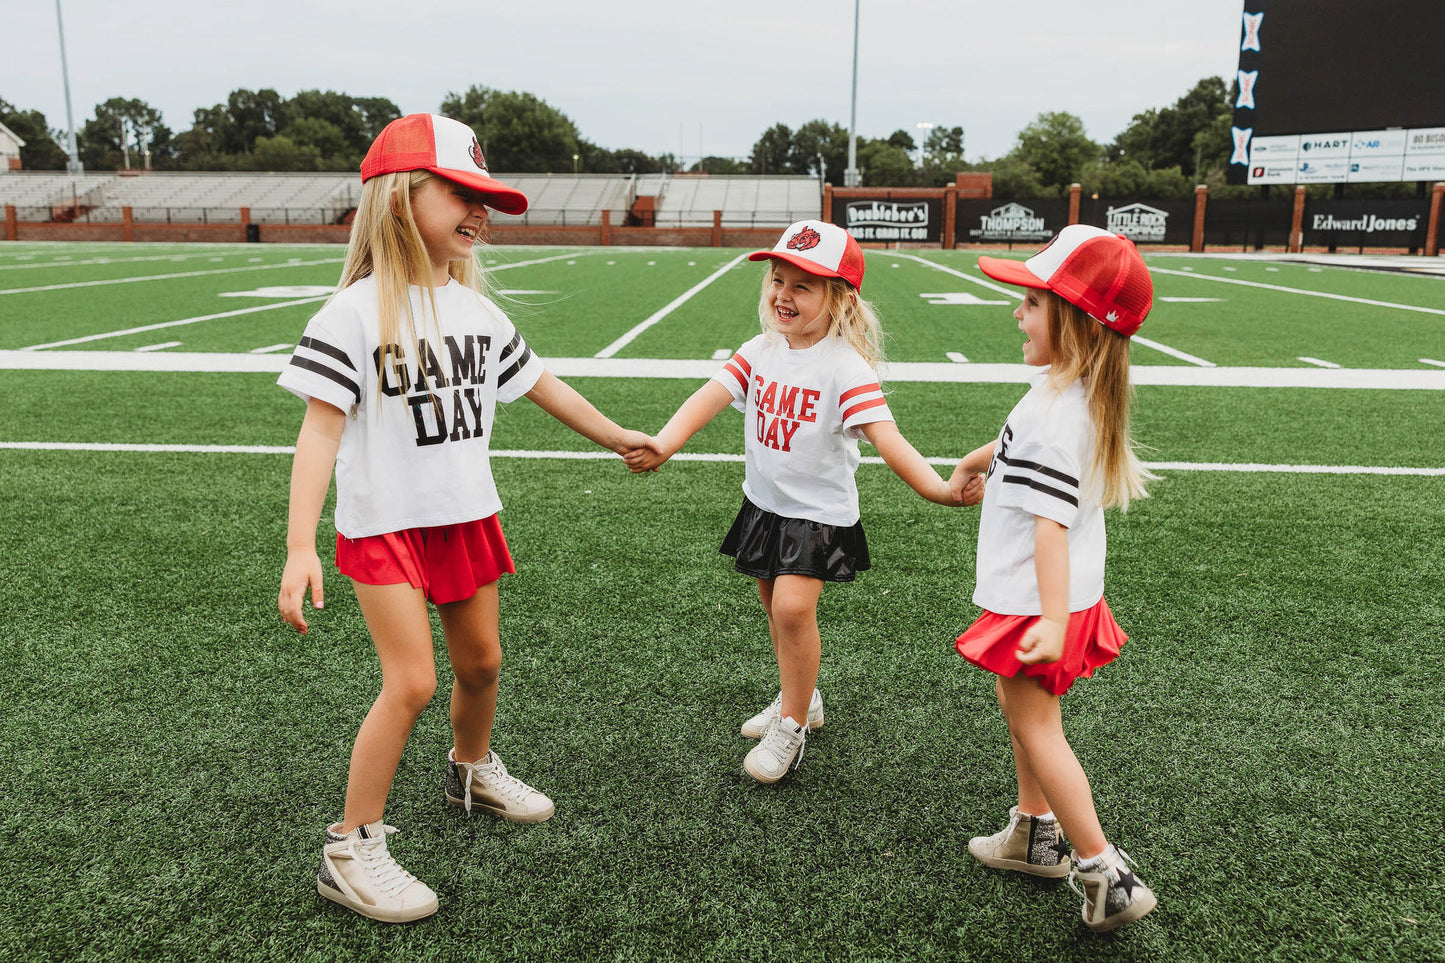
{"points": [[808, 389]]}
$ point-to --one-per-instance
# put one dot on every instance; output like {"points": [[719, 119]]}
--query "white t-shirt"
{"points": [[418, 457], [802, 412], [1041, 466]]}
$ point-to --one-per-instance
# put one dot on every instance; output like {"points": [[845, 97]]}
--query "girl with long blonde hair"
{"points": [[401, 372], [1063, 456]]}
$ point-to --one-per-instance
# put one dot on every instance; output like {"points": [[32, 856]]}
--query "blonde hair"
{"points": [[386, 245], [849, 316], [1082, 349]]}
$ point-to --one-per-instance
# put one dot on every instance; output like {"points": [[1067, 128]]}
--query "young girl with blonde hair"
{"points": [[401, 372], [808, 389], [1063, 456]]}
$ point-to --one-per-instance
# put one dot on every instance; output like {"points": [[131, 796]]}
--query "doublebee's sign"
{"points": [[885, 220]]}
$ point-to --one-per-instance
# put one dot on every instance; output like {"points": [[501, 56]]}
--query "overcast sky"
{"points": [[655, 75]]}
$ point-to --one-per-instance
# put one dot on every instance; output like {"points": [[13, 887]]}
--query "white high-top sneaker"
{"points": [[486, 784], [358, 872], [1113, 895]]}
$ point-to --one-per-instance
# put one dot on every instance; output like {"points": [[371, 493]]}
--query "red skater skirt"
{"points": [[1092, 639], [448, 563]]}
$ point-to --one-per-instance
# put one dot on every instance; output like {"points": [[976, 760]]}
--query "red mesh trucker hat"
{"points": [[1088, 267], [447, 148], [819, 248]]}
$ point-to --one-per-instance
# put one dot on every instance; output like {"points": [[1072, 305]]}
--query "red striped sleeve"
{"points": [[742, 362], [732, 369], [863, 406], [855, 392]]}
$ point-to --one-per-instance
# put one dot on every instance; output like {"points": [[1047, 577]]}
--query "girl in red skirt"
{"points": [[1064, 455]]}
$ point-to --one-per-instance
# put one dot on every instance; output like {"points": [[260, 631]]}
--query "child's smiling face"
{"points": [[450, 219], [1033, 317], [797, 299]]}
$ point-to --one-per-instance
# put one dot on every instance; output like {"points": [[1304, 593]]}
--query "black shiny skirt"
{"points": [[766, 545]]}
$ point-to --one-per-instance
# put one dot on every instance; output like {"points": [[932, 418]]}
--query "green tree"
{"points": [[125, 126], [1056, 147], [815, 139], [719, 165], [41, 151], [1014, 177], [636, 162], [773, 152], [943, 156], [1170, 136], [885, 164], [518, 131], [281, 153], [902, 138]]}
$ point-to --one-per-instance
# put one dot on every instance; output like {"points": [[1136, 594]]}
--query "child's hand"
{"points": [[303, 570], [1043, 642], [645, 458], [968, 488]]}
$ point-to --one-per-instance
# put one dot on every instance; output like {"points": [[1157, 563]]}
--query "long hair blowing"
{"points": [[1083, 349], [849, 316], [385, 244]]}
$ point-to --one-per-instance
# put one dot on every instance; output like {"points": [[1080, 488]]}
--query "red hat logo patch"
{"points": [[804, 240], [477, 157]]}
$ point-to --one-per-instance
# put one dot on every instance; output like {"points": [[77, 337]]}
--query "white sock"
{"points": [[1095, 862], [1047, 817]]}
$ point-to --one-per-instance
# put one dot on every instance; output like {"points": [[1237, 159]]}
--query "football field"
{"points": [[1268, 748]]}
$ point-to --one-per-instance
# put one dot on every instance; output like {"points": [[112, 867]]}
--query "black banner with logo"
{"points": [[1143, 222], [1358, 223], [1246, 224], [1031, 223], [884, 219]]}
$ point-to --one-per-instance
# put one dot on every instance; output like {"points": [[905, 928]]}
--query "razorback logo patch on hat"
{"points": [[477, 155], [804, 240]]}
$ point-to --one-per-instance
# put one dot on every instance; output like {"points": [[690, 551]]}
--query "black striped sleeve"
{"points": [[511, 360], [325, 371], [329, 350], [1039, 486]]}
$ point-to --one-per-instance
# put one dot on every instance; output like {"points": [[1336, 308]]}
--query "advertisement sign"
{"points": [[1394, 223], [1025, 222], [1143, 222], [881, 219]]}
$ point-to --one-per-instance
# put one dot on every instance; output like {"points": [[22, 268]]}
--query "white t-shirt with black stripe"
{"points": [[1040, 467], [803, 414], [415, 449]]}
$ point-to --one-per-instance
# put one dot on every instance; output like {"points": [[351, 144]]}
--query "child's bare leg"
{"points": [[1037, 728], [765, 592], [792, 607], [475, 648], [1032, 801], [396, 616]]}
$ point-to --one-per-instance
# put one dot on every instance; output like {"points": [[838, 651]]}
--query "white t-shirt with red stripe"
{"points": [[803, 412], [1041, 466]]}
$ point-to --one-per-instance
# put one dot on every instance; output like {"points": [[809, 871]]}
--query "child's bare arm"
{"points": [[967, 477], [908, 464], [311, 467], [705, 404], [1044, 641], [563, 402]]}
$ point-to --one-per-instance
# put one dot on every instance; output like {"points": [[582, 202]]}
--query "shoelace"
{"points": [[495, 776], [781, 743], [1074, 870], [384, 870]]}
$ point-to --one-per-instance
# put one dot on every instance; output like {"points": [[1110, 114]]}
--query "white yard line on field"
{"points": [[1318, 362], [159, 347], [1302, 291], [667, 309], [1014, 293], [173, 324], [898, 372], [704, 457], [170, 277], [1438, 364]]}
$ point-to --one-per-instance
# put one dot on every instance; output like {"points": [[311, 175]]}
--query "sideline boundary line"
{"points": [[171, 277], [1245, 467], [1303, 291]]}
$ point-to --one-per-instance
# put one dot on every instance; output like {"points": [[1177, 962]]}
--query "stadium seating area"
{"points": [[556, 199]]}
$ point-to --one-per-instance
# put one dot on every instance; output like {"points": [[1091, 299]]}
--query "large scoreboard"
{"points": [[1340, 91]]}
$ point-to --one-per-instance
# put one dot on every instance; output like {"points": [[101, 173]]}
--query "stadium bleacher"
{"points": [[325, 198]]}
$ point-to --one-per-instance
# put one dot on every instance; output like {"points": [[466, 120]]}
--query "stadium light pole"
{"points": [[923, 128], [850, 176], [73, 165]]}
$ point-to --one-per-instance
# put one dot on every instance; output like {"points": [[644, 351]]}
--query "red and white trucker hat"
{"points": [[447, 148], [1088, 267], [819, 248]]}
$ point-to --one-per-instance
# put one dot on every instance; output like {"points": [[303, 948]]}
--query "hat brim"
{"points": [[506, 199], [801, 263], [1010, 272]]}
